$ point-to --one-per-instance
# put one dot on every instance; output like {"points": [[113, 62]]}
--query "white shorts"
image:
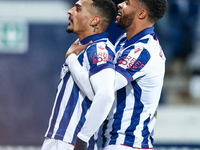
{"points": [[121, 147], [53, 144]]}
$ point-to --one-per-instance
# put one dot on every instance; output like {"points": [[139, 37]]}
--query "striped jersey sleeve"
{"points": [[100, 56]]}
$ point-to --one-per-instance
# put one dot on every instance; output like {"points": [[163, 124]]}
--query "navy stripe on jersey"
{"points": [[111, 54], [126, 52], [136, 67], [145, 41], [121, 103], [154, 36], [56, 110], [92, 143], [140, 62], [103, 132], [68, 113], [80, 58], [85, 105], [138, 108], [146, 133], [152, 140]]}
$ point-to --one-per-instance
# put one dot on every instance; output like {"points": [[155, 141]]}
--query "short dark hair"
{"points": [[106, 8], [156, 8]]}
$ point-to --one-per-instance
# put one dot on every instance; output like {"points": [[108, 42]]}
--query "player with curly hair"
{"points": [[139, 75]]}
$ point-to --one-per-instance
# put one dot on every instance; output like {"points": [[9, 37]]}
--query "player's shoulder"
{"points": [[100, 45], [145, 42]]}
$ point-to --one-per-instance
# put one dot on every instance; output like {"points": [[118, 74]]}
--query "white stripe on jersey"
{"points": [[142, 62], [63, 105], [72, 124]]}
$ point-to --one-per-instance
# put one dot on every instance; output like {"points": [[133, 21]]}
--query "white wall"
{"points": [[35, 11], [178, 124]]}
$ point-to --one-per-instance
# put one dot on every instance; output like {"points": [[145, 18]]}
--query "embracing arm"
{"points": [[103, 85], [80, 76]]}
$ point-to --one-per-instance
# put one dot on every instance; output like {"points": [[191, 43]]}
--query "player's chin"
{"points": [[120, 25], [117, 23], [70, 30], [118, 20]]}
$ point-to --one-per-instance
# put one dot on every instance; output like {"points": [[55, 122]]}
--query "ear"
{"points": [[142, 14], [95, 21]]}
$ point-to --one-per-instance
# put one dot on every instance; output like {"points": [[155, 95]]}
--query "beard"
{"points": [[125, 21], [70, 30]]}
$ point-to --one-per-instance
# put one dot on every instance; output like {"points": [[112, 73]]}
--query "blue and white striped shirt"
{"points": [[142, 62], [71, 105]]}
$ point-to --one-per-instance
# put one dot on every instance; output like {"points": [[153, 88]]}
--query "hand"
{"points": [[75, 48], [80, 145]]}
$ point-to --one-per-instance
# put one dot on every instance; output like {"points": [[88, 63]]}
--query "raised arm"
{"points": [[79, 73], [103, 84], [100, 76], [81, 77]]}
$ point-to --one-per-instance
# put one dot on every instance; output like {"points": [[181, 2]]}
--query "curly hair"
{"points": [[156, 8], [106, 8]]}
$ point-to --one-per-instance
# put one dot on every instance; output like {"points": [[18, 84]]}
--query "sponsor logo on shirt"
{"points": [[101, 57]]}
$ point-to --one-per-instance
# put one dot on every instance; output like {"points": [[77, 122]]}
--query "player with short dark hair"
{"points": [[105, 9], [139, 74], [156, 8], [72, 108]]}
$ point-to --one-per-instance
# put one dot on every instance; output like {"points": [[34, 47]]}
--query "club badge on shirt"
{"points": [[64, 70]]}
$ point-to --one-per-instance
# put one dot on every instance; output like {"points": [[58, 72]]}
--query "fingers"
{"points": [[88, 43], [76, 48], [77, 41]]}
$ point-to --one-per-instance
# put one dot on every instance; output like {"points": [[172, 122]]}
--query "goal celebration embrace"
{"points": [[115, 87]]}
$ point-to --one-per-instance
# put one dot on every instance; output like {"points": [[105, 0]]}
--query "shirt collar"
{"points": [[139, 36], [94, 37]]}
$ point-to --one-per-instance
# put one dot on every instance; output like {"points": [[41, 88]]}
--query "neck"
{"points": [[93, 31], [135, 29]]}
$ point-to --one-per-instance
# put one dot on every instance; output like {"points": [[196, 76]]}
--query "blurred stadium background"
{"points": [[33, 43]]}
